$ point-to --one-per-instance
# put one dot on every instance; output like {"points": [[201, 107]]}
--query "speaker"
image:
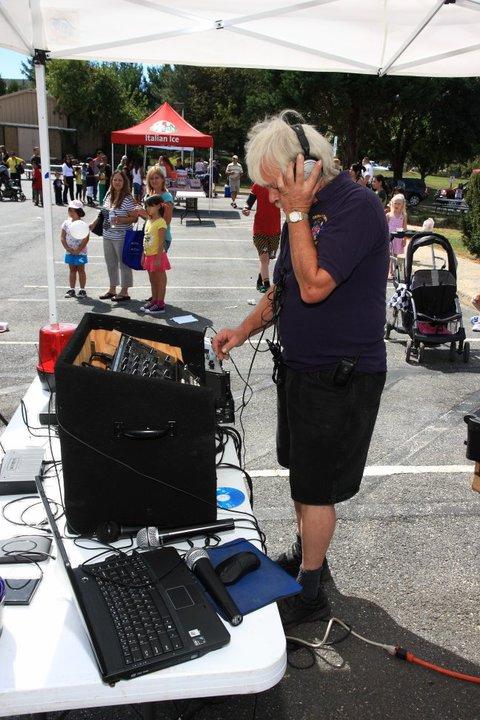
{"points": [[136, 450]]}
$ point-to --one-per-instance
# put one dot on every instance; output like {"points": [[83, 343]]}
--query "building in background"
{"points": [[19, 126]]}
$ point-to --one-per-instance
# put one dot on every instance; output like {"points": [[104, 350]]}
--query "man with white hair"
{"points": [[234, 172], [328, 307]]}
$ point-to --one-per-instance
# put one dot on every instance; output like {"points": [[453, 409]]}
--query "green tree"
{"points": [[3, 86], [28, 70], [93, 96], [13, 86], [471, 219]]}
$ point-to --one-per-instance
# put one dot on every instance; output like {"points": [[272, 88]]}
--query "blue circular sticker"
{"points": [[228, 497]]}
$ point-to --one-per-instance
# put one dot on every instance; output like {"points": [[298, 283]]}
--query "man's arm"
{"points": [[261, 317], [296, 193], [315, 283]]}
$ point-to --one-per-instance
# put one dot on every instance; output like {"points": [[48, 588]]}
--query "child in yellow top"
{"points": [[155, 259]]}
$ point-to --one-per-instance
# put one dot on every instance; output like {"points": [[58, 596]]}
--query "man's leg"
{"points": [[317, 528]]}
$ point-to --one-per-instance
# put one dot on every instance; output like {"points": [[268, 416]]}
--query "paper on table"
{"points": [[181, 319]]}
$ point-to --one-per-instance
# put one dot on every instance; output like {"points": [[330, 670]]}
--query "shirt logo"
{"points": [[318, 221], [163, 126]]}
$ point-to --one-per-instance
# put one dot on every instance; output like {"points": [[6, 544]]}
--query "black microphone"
{"points": [[152, 537], [198, 562], [111, 531]]}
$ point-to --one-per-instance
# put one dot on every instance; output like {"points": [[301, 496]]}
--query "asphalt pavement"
{"points": [[404, 558]]}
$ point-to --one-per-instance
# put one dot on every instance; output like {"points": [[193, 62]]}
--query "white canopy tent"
{"points": [[429, 38]]}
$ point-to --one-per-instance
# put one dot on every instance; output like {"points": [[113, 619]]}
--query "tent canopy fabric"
{"points": [[163, 127], [430, 38]]}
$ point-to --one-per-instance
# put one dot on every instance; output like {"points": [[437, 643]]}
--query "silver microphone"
{"points": [[198, 562], [152, 537], [148, 537]]}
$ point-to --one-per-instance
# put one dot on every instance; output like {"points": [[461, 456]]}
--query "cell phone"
{"points": [[20, 591]]}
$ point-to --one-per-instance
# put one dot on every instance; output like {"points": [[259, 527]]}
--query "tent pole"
{"points": [[125, 150], [210, 183], [112, 159], [144, 157], [39, 60]]}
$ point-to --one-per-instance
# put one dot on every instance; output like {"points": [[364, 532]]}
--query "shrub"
{"points": [[471, 219]]}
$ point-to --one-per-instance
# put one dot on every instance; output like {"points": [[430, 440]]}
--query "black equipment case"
{"points": [[115, 428]]}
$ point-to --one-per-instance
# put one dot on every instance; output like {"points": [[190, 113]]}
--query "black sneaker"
{"points": [[290, 562], [82, 293], [297, 610], [259, 283], [70, 293]]}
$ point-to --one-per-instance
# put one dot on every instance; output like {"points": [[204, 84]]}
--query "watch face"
{"points": [[295, 216]]}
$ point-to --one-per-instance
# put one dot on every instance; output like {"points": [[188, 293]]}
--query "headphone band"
{"points": [[302, 139]]}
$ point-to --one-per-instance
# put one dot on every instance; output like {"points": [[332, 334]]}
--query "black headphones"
{"points": [[309, 161]]}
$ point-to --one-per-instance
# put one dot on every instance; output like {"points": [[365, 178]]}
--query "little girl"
{"points": [[75, 250], [397, 220], [155, 259]]}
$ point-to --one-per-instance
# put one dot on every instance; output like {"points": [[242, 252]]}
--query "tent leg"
{"points": [[125, 150], [112, 160], [210, 183], [144, 157], [39, 60]]}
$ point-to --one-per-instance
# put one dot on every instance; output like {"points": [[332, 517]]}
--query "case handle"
{"points": [[120, 432]]}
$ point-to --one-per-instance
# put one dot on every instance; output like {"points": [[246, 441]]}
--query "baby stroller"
{"points": [[426, 305], [10, 189]]}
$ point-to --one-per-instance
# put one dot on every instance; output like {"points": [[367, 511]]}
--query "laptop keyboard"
{"points": [[144, 627]]}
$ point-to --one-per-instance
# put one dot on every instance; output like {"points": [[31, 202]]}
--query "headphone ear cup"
{"points": [[108, 532], [308, 166]]}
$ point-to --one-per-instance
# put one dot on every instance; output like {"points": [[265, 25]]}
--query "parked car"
{"points": [[414, 189]]}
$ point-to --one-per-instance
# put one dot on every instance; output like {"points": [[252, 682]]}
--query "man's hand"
{"points": [[296, 193], [227, 339]]}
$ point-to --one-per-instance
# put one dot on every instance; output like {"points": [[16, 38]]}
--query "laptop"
{"points": [[143, 611]]}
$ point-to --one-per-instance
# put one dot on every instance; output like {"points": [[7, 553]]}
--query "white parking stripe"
{"points": [[175, 257], [382, 470], [170, 287]]}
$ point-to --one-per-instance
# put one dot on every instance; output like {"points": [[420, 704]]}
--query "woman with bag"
{"points": [[118, 215], [155, 183]]}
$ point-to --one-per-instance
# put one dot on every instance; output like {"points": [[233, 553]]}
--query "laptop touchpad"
{"points": [[180, 597]]}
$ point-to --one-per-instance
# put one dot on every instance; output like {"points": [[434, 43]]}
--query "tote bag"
{"points": [[133, 248]]}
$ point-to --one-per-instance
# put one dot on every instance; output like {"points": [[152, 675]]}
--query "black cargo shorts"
{"points": [[324, 432]]}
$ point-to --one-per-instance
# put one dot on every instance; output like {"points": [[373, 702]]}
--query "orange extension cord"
{"points": [[395, 650], [411, 658]]}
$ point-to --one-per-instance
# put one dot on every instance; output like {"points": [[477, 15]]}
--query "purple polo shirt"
{"points": [[351, 237]]}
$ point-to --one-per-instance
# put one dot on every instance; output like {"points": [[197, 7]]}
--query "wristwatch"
{"points": [[296, 216]]}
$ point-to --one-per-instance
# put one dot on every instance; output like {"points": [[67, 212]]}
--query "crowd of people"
{"points": [[121, 208]]}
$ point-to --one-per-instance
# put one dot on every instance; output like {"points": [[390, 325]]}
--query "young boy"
{"points": [[58, 188]]}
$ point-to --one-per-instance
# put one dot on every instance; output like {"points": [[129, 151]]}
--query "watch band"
{"points": [[298, 216]]}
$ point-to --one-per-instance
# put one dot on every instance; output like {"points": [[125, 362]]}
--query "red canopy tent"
{"points": [[164, 127]]}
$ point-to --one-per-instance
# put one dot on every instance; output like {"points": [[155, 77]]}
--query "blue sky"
{"points": [[10, 64]]}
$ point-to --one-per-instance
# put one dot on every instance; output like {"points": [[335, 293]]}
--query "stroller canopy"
{"points": [[426, 239]]}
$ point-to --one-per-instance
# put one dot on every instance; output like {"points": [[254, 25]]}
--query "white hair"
{"points": [[273, 143]]}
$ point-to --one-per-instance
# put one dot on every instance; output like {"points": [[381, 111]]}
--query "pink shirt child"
{"points": [[395, 222]]}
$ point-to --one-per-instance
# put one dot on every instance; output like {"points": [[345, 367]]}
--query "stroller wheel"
{"points": [[408, 353], [421, 353], [452, 352], [466, 352]]}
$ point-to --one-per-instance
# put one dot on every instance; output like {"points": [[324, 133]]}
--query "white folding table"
{"points": [[46, 663], [191, 202]]}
